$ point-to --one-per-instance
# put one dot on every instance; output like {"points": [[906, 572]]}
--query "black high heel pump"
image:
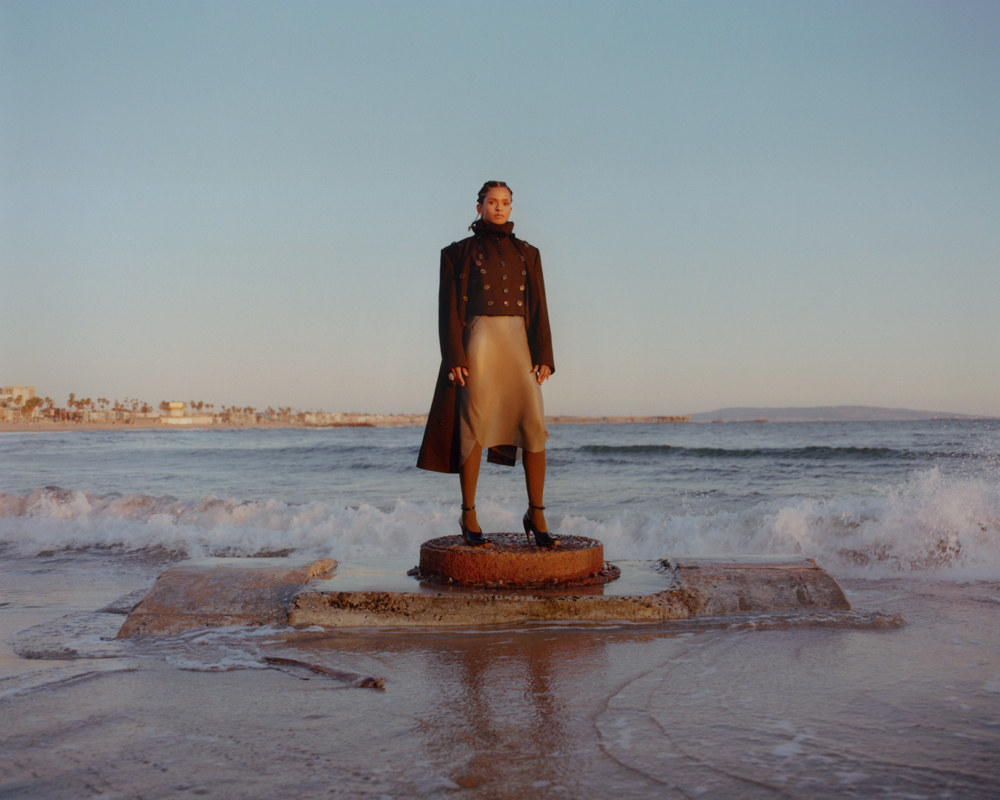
{"points": [[542, 538], [471, 537]]}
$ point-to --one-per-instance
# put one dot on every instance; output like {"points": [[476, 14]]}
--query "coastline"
{"points": [[350, 421], [155, 424], [61, 427], [392, 421]]}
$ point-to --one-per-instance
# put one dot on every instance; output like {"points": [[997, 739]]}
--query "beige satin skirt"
{"points": [[501, 402]]}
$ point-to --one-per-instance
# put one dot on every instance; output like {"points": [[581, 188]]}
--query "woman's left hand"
{"points": [[541, 373]]}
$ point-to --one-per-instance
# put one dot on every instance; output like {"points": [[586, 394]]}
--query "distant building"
{"points": [[11, 393], [12, 400], [177, 414]]}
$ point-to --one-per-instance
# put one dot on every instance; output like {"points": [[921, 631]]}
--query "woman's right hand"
{"points": [[458, 375]]}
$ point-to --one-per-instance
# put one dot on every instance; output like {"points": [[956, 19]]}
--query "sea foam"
{"points": [[935, 524]]}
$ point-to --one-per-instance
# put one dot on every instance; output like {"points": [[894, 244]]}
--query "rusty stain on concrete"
{"points": [[509, 560]]}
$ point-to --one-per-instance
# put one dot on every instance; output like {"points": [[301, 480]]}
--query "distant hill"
{"points": [[825, 414]]}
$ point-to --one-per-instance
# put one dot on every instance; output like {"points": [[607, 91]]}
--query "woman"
{"points": [[496, 352]]}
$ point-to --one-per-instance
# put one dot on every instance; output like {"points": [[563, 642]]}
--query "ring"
{"points": [[451, 376]]}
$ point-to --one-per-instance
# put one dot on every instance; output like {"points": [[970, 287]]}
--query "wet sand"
{"points": [[762, 707]]}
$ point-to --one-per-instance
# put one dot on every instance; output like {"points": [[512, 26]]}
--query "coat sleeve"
{"points": [[539, 336], [449, 319]]}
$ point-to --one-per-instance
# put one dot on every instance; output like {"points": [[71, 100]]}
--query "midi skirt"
{"points": [[501, 403]]}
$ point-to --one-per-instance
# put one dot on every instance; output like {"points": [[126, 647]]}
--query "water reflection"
{"points": [[490, 699]]}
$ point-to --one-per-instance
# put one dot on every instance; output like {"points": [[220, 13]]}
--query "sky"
{"points": [[737, 203]]}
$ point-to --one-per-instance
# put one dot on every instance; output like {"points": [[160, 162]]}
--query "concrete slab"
{"points": [[213, 592], [672, 588], [378, 593], [732, 584]]}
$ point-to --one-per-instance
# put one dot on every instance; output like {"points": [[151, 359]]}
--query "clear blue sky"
{"points": [[767, 204]]}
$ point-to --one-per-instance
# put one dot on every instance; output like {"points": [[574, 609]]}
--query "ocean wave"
{"points": [[810, 453], [935, 524]]}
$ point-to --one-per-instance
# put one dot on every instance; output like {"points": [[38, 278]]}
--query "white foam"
{"points": [[944, 526]]}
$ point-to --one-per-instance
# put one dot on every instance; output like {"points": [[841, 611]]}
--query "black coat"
{"points": [[441, 450]]}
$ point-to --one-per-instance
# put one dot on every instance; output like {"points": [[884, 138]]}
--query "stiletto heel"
{"points": [[542, 538], [473, 538]]}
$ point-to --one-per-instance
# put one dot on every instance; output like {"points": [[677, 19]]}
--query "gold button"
{"points": [[503, 264], [522, 258], [520, 303], [482, 271], [505, 291], [506, 303], [465, 299], [504, 277], [490, 303], [478, 263], [524, 272], [522, 287], [487, 286]]}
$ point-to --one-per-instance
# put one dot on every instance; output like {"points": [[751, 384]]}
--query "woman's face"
{"points": [[495, 207]]}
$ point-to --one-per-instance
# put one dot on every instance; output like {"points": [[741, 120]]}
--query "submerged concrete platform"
{"points": [[379, 593]]}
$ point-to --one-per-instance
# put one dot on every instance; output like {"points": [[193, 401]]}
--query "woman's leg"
{"points": [[468, 479], [534, 476]]}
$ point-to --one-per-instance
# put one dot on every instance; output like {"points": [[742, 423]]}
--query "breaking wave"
{"points": [[810, 453], [934, 524]]}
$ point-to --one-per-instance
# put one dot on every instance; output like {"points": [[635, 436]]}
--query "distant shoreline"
{"points": [[156, 425], [419, 420], [363, 421]]}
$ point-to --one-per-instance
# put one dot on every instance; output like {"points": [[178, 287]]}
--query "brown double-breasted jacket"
{"points": [[489, 273]]}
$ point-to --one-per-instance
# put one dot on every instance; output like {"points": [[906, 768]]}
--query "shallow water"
{"points": [[782, 705], [741, 707]]}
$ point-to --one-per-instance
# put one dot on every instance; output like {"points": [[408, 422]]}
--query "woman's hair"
{"points": [[493, 185]]}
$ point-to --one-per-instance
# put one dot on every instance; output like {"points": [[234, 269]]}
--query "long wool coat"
{"points": [[441, 450]]}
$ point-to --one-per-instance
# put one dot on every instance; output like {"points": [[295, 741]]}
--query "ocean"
{"points": [[905, 515]]}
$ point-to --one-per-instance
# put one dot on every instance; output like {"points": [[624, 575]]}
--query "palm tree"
{"points": [[28, 409]]}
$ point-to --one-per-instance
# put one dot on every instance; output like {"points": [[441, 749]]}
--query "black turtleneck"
{"points": [[481, 226]]}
